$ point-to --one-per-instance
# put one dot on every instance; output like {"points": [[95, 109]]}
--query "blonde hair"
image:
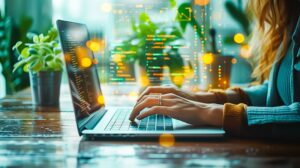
{"points": [[274, 20]]}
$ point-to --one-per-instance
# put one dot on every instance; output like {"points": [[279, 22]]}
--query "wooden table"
{"points": [[32, 137]]}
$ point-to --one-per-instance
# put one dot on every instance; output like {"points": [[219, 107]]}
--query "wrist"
{"points": [[215, 115], [205, 97]]}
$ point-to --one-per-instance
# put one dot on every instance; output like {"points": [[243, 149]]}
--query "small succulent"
{"points": [[42, 54]]}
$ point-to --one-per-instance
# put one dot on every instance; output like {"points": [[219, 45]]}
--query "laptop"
{"points": [[93, 118]]}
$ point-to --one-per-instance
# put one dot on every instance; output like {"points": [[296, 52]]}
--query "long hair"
{"points": [[274, 22]]}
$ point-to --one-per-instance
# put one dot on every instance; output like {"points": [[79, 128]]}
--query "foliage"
{"points": [[185, 9], [139, 46], [237, 12], [42, 54], [9, 34], [5, 39], [239, 15]]}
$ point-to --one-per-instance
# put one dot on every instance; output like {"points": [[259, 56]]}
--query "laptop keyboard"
{"points": [[120, 121]]}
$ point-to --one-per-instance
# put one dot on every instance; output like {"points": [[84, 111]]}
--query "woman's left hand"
{"points": [[174, 106]]}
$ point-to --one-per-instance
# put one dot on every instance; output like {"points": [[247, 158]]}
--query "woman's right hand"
{"points": [[165, 90], [204, 97]]}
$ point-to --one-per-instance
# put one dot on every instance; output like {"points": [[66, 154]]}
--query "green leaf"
{"points": [[36, 65], [35, 39], [18, 65], [144, 17], [58, 60], [25, 53], [49, 58], [184, 15], [172, 3], [32, 51], [57, 51], [52, 33], [239, 16], [26, 67], [17, 45]]}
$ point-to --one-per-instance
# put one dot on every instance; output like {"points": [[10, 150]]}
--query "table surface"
{"points": [[38, 137]]}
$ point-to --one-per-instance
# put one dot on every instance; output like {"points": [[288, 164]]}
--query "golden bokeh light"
{"points": [[100, 100], [239, 38], [201, 2], [86, 62], [95, 45], [117, 58], [207, 58], [166, 140], [245, 51], [178, 80], [144, 81]]}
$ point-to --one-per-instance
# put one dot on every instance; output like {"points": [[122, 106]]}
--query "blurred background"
{"points": [[167, 41]]}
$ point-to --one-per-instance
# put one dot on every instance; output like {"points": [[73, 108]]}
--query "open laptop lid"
{"points": [[82, 72]]}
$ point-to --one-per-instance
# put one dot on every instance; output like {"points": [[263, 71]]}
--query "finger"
{"points": [[146, 92], [148, 102], [164, 96], [157, 89], [147, 96], [161, 110], [169, 96]]}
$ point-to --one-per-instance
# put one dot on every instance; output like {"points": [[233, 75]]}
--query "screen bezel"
{"points": [[63, 26]]}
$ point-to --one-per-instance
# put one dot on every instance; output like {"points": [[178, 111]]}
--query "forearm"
{"points": [[220, 97]]}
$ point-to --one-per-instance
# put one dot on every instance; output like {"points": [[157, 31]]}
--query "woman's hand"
{"points": [[204, 97], [166, 90], [180, 108]]}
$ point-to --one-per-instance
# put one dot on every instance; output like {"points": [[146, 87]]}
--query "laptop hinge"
{"points": [[95, 119]]}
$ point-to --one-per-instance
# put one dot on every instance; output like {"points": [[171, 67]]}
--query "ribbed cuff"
{"points": [[234, 119]]}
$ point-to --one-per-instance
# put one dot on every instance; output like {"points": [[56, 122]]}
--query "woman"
{"points": [[269, 109]]}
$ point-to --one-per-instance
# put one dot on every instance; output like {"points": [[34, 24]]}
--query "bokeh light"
{"points": [[178, 80], [95, 45], [133, 95], [106, 7], [207, 58], [201, 2], [166, 140], [245, 51], [100, 100], [86, 62], [117, 58], [234, 61], [239, 38]]}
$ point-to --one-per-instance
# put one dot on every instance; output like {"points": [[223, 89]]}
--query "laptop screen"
{"points": [[81, 69]]}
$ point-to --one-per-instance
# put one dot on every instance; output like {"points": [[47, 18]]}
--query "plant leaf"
{"points": [[25, 53], [172, 3], [17, 45], [184, 15], [36, 65], [238, 15], [18, 65], [26, 67], [49, 58], [35, 39]]}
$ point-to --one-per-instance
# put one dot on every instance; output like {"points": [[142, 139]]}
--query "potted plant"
{"points": [[154, 46], [42, 59]]}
